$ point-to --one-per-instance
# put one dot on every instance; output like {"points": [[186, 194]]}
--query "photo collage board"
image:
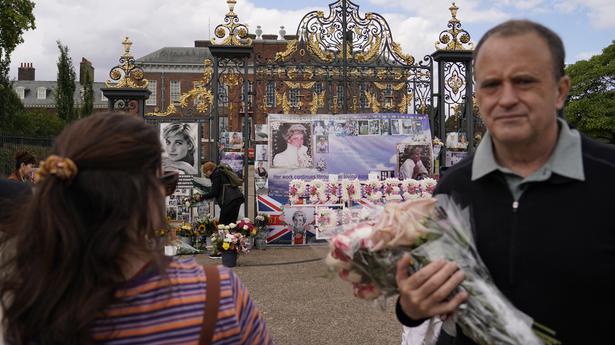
{"points": [[344, 146]]}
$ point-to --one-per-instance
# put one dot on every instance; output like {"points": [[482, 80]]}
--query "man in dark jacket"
{"points": [[227, 194], [540, 196]]}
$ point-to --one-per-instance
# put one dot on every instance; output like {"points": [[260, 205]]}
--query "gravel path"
{"points": [[304, 304]]}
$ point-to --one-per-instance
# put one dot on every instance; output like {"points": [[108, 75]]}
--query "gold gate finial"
{"points": [[455, 38], [126, 73], [231, 33]]}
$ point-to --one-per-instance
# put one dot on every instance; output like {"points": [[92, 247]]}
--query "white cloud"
{"points": [[600, 12], [95, 29], [586, 55]]}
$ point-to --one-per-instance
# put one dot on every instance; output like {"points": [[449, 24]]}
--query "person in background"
{"points": [[180, 149], [224, 189], [87, 265], [24, 168], [540, 195]]}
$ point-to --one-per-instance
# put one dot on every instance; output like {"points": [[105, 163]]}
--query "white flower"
{"points": [[245, 227]]}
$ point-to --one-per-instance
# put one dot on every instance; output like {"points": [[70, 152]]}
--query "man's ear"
{"points": [[563, 87]]}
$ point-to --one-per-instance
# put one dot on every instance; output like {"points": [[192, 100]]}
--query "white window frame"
{"points": [[175, 91], [153, 84], [41, 92], [21, 92]]}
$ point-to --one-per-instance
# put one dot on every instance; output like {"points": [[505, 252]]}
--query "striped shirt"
{"points": [[154, 309]]}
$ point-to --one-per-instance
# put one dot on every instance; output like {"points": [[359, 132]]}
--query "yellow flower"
{"points": [[226, 245], [253, 231]]}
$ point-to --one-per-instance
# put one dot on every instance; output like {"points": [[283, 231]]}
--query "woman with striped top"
{"points": [[86, 266]]}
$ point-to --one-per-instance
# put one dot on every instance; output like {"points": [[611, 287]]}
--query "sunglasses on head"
{"points": [[169, 181]]}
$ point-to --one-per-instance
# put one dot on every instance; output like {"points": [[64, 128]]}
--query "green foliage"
{"points": [[65, 102], [37, 123], [10, 106], [15, 17], [88, 93], [591, 103]]}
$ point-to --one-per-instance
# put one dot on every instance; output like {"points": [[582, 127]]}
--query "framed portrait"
{"points": [[300, 222], [374, 127], [235, 140], [260, 152], [233, 160], [395, 127], [414, 161], [261, 132], [453, 158], [322, 144], [291, 145], [181, 147]]}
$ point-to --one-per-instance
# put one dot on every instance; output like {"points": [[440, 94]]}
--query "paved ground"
{"points": [[305, 305]]}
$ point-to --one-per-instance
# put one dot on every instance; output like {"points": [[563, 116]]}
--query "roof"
{"points": [[177, 55], [31, 93]]}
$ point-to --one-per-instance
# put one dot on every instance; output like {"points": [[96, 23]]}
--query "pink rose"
{"points": [[365, 291]]}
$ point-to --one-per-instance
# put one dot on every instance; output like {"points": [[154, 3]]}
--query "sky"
{"points": [[94, 29]]}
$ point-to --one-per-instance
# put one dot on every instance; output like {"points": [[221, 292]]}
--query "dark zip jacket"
{"points": [[552, 254]]}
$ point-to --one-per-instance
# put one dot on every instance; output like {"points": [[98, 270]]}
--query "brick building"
{"points": [[41, 93], [172, 71]]}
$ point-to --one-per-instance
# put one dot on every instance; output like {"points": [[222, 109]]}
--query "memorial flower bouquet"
{"points": [[367, 252], [317, 192], [261, 221], [224, 241], [246, 228]]}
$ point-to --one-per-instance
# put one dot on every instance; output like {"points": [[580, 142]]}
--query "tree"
{"points": [[65, 92], [591, 103], [15, 17], [88, 92]]}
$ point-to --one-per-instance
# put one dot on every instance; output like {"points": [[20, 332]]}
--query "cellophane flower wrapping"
{"points": [[367, 251]]}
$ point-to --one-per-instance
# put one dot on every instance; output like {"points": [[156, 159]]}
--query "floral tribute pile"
{"points": [[345, 191]]}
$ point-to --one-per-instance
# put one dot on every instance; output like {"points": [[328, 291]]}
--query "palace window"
{"points": [[41, 93], [271, 94], [151, 86], [175, 87]]}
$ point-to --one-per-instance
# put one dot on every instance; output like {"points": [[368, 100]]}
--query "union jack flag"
{"points": [[277, 228]]}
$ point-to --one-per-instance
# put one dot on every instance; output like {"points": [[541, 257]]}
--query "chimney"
{"points": [[25, 71], [85, 68]]}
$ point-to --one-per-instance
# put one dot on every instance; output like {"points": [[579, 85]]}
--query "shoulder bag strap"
{"points": [[212, 302]]}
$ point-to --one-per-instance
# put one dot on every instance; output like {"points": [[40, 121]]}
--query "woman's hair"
{"points": [[183, 129], [80, 229], [209, 166], [25, 158]]}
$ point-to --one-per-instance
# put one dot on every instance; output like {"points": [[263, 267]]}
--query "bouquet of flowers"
{"points": [[261, 221], [225, 240], [184, 230], [428, 229], [246, 228]]}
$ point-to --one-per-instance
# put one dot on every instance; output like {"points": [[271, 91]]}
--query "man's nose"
{"points": [[508, 96]]}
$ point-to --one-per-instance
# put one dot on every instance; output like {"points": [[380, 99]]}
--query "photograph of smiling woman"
{"points": [[179, 141]]}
